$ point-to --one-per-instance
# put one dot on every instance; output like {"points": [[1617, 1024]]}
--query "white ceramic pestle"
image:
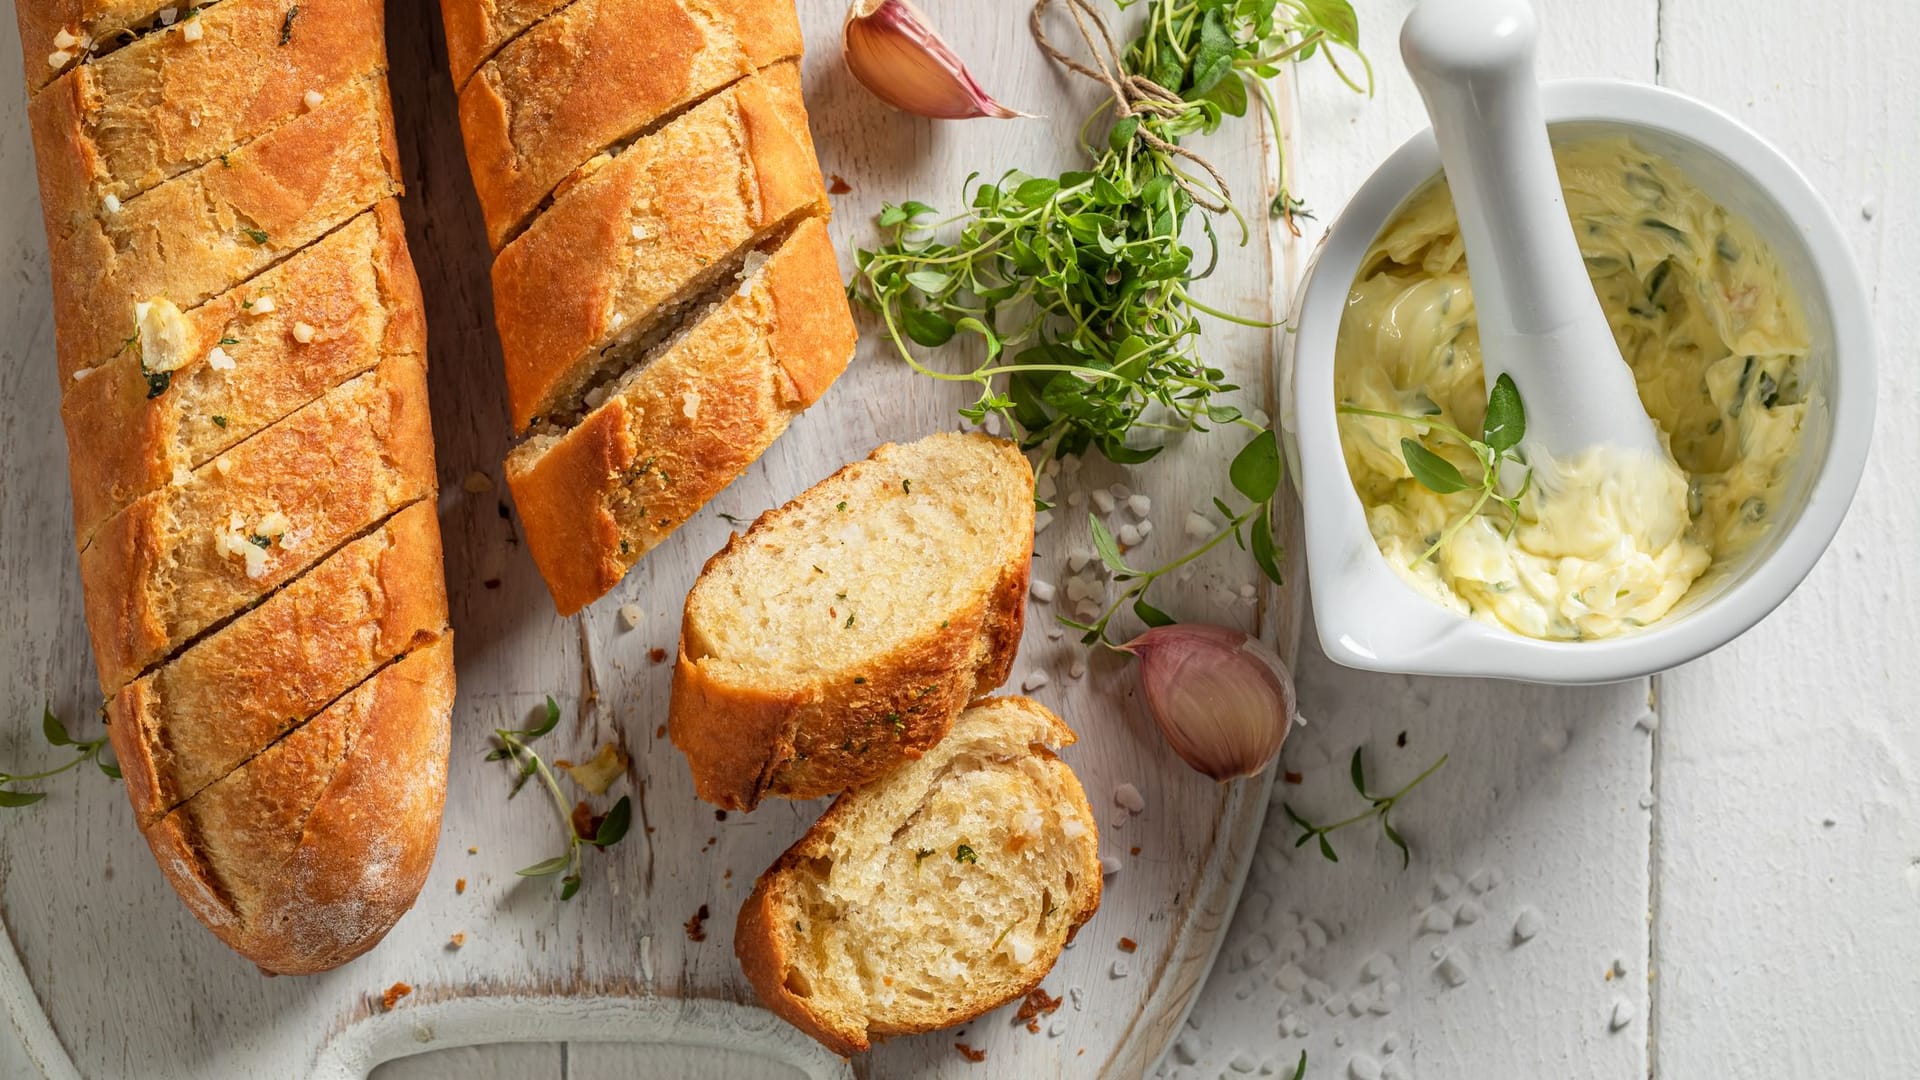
{"points": [[1540, 321]]}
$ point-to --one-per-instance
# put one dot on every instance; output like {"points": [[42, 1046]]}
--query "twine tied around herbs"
{"points": [[1133, 95]]}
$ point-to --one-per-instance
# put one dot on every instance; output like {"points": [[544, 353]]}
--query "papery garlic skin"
{"points": [[1222, 698], [894, 52]]}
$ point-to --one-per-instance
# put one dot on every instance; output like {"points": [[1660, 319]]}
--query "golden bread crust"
{"points": [[596, 499], [156, 574], [354, 291], [222, 701], [304, 857], [582, 80]]}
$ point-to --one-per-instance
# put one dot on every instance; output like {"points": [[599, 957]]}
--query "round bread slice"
{"points": [[936, 894], [842, 633]]}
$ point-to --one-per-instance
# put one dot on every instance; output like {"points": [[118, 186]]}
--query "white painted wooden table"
{"points": [[1724, 861]]}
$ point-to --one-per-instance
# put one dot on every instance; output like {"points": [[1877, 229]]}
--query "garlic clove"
{"points": [[1223, 699], [894, 51]]}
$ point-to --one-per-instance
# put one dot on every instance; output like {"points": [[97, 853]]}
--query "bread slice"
{"points": [[935, 894], [179, 560], [354, 293], [235, 216], [676, 430], [230, 695], [840, 635], [304, 857], [594, 74], [648, 233]]}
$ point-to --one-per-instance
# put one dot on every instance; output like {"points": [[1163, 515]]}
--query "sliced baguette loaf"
{"points": [[926, 898], [673, 432], [241, 352], [595, 73], [648, 233], [842, 633]]}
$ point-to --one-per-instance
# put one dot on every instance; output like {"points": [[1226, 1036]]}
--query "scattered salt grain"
{"points": [[1120, 492], [1359, 1003], [1290, 978], [992, 424], [1484, 879], [1468, 913], [303, 333], [1054, 633], [1078, 668], [1646, 800], [1393, 1070], [1128, 535], [1435, 920], [1185, 1050], [1380, 1006], [1378, 967], [1078, 997], [1121, 969], [1453, 970], [1146, 529], [1622, 1015], [1129, 798], [218, 360], [1315, 933], [1078, 558], [1102, 501], [191, 30], [1056, 1029], [1076, 499], [1198, 527], [112, 203], [1553, 739], [630, 614], [1647, 722], [313, 98], [1336, 1004], [1139, 505], [1528, 925], [1389, 1044], [1035, 680], [1041, 591], [1445, 884], [1041, 520], [1362, 1067], [1109, 866], [1243, 1063]]}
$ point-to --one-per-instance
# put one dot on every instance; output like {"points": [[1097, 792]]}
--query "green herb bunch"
{"points": [[56, 735], [1379, 806], [1079, 286], [528, 764], [1500, 435]]}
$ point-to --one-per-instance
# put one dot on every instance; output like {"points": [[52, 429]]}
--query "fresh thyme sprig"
{"points": [[1500, 435], [1255, 474], [528, 764], [1380, 806], [55, 733]]}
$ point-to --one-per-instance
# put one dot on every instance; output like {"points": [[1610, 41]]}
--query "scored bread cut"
{"points": [[670, 434], [929, 897], [840, 635]]}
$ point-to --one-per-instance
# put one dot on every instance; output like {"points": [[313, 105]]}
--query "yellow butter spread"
{"points": [[1703, 315]]}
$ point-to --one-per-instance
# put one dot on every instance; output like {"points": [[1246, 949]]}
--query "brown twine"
{"points": [[1133, 95]]}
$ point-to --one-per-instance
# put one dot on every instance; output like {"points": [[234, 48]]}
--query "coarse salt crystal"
{"points": [[1102, 501], [168, 14], [1290, 978], [1078, 558], [82, 374], [1378, 967], [218, 360], [1109, 865], [1035, 680], [1389, 1044], [1041, 591], [1393, 1070], [112, 203], [1056, 1029], [1198, 527], [1435, 920], [1247, 592], [1622, 1015], [630, 614], [1121, 969], [1128, 798], [313, 98], [223, 465], [181, 475], [262, 305], [1139, 505], [1146, 529], [1076, 499], [1483, 879], [1128, 535], [191, 31], [1468, 913], [1527, 925], [303, 333], [992, 424], [1041, 520], [1078, 997], [1054, 633], [1242, 1062], [1336, 1004], [1445, 884], [64, 40], [256, 562], [1078, 669], [1120, 492], [58, 58], [1453, 970], [1362, 1067]]}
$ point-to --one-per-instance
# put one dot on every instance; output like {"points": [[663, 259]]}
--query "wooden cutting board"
{"points": [[114, 978]]}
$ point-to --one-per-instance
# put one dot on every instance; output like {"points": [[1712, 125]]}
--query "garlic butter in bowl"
{"points": [[1734, 302]]}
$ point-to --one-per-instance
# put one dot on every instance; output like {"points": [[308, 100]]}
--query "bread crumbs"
{"points": [[1038, 1003], [459, 886], [660, 732], [837, 186], [970, 1053], [1292, 777], [658, 656], [1127, 944], [393, 995], [697, 926], [456, 941]]}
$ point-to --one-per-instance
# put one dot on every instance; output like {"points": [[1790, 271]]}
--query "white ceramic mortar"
{"points": [[1368, 616]]}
